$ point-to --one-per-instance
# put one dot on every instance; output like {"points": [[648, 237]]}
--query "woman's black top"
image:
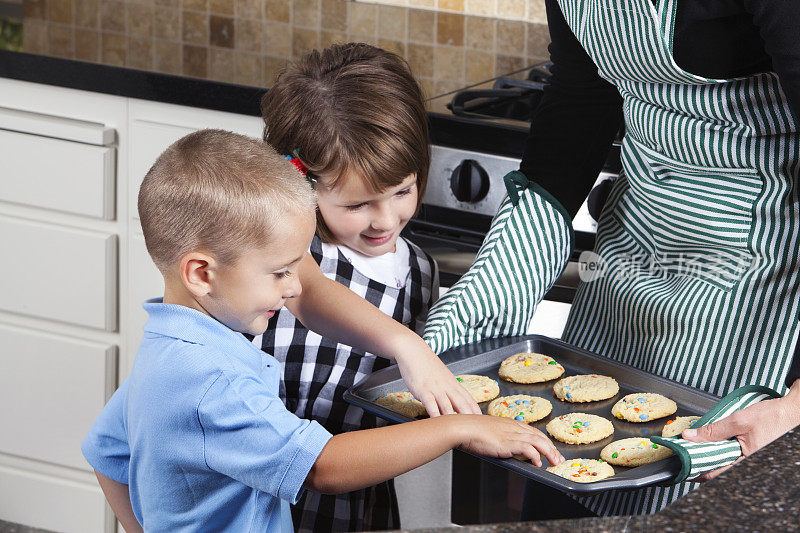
{"points": [[580, 113]]}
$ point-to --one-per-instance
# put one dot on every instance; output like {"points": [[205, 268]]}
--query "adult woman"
{"points": [[700, 237]]}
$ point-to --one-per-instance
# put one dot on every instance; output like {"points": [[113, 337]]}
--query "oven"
{"points": [[478, 135]]}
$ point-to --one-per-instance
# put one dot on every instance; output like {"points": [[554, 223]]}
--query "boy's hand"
{"points": [[432, 383], [503, 437]]}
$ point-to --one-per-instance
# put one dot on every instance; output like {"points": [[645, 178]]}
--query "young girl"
{"points": [[353, 115]]}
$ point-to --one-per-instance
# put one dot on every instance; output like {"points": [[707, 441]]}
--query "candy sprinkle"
{"points": [[527, 363], [520, 417], [569, 395], [642, 400], [643, 417], [551, 363], [460, 380], [614, 455], [655, 446]]}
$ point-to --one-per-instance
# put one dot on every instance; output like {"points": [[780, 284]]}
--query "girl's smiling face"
{"points": [[362, 219]]}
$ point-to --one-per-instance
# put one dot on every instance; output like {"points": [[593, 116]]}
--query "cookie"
{"points": [[482, 388], [643, 407], [582, 470], [675, 427], [585, 388], [530, 368], [520, 407], [634, 452], [579, 428], [403, 403]]}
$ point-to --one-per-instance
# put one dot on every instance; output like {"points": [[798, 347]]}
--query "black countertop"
{"points": [[761, 493], [131, 83]]}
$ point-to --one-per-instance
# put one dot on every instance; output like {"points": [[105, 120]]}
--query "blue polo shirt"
{"points": [[199, 433]]}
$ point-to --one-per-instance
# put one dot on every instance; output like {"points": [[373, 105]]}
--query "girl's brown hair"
{"points": [[350, 108]]}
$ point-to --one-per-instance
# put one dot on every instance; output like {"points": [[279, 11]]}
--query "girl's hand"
{"points": [[430, 381], [754, 427], [503, 437]]}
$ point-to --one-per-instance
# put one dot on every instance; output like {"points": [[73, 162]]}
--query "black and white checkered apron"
{"points": [[317, 371]]}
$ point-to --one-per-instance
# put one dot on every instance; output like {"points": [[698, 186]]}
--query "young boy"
{"points": [[197, 437]]}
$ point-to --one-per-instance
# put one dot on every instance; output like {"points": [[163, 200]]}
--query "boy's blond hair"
{"points": [[218, 192]]}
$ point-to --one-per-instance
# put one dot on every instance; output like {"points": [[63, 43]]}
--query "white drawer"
{"points": [[58, 273], [57, 174], [51, 503], [51, 388]]}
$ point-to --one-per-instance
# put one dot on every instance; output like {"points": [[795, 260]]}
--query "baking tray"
{"points": [[484, 358]]}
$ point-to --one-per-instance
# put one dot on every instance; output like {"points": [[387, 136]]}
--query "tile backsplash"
{"points": [[449, 43]]}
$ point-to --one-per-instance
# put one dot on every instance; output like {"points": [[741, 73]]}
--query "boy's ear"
{"points": [[197, 272]]}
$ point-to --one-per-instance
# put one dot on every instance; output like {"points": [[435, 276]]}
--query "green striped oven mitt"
{"points": [[524, 252], [701, 457]]}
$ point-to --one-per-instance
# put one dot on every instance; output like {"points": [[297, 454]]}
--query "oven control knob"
{"points": [[469, 182]]}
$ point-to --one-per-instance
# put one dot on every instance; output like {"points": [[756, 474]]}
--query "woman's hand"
{"points": [[754, 427], [431, 382]]}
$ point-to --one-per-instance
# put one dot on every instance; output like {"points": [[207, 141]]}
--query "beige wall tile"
{"points": [[278, 10], [221, 64], [538, 40], [306, 14], [34, 9], [363, 19], [249, 69], [87, 45], [392, 23], [479, 66], [448, 63], [87, 13], [140, 19], [277, 39], [507, 64], [447, 86], [195, 5], [450, 29], [327, 38], [452, 5], [513, 9], [422, 3], [481, 33], [398, 47], [334, 15], [249, 35], [140, 53], [272, 66], [114, 49], [248, 8], [167, 23], [222, 7], [61, 40], [168, 57], [34, 36], [421, 26], [195, 27], [224, 31], [195, 61], [303, 41], [420, 59], [59, 11], [510, 38], [481, 7], [536, 11], [112, 17], [428, 88]]}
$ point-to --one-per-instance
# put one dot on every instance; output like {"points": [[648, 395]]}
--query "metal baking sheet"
{"points": [[484, 358]]}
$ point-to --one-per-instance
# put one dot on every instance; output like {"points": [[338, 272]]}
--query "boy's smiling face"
{"points": [[245, 295], [363, 220]]}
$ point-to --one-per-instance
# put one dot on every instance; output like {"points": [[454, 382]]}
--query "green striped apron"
{"points": [[703, 228], [699, 241]]}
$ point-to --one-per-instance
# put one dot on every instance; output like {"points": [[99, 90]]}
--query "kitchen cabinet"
{"points": [[73, 278]]}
